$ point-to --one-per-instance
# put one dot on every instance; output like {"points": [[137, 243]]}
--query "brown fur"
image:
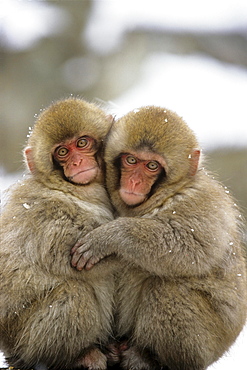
{"points": [[50, 313], [182, 289]]}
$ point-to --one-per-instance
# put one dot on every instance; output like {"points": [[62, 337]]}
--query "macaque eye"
{"points": [[130, 159], [82, 142], [61, 152], [152, 165]]}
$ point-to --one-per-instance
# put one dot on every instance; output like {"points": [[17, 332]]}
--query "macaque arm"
{"points": [[53, 227], [161, 248]]}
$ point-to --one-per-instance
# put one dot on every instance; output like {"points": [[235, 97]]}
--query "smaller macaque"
{"points": [[51, 315], [182, 291]]}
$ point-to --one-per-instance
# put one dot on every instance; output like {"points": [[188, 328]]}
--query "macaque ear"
{"points": [[29, 158], [110, 118], [194, 161]]}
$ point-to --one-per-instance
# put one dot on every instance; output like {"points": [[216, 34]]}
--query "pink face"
{"points": [[77, 158], [139, 171]]}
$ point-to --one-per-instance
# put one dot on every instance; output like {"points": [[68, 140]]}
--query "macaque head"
{"points": [[67, 141], [149, 151], [139, 172]]}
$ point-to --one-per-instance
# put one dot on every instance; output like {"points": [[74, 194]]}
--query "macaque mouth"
{"points": [[84, 177], [132, 199], [78, 173], [133, 193]]}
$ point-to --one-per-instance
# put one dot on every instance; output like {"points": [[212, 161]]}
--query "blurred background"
{"points": [[188, 56]]}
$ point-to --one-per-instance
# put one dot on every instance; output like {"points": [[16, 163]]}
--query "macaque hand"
{"points": [[83, 255]]}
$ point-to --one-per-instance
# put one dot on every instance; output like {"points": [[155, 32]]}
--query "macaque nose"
{"points": [[76, 160], [135, 180]]}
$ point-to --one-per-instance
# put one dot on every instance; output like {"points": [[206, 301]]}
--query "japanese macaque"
{"points": [[181, 298], [51, 315]]}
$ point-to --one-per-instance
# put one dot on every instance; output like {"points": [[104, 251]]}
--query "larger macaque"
{"points": [[181, 299], [52, 316]]}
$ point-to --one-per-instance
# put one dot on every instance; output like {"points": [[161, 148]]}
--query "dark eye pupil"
{"points": [[62, 151], [81, 143], [131, 160], [152, 165]]}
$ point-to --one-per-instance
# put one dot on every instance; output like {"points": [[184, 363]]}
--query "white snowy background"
{"points": [[210, 95]]}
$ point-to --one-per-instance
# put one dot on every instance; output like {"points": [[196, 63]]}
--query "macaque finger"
{"points": [[76, 257], [82, 260], [74, 249], [79, 248], [92, 261], [77, 245]]}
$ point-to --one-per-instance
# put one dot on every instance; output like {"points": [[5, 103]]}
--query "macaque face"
{"points": [[139, 172], [77, 158]]}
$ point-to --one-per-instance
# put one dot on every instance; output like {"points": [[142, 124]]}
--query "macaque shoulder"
{"points": [[202, 208], [203, 194], [30, 199]]}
